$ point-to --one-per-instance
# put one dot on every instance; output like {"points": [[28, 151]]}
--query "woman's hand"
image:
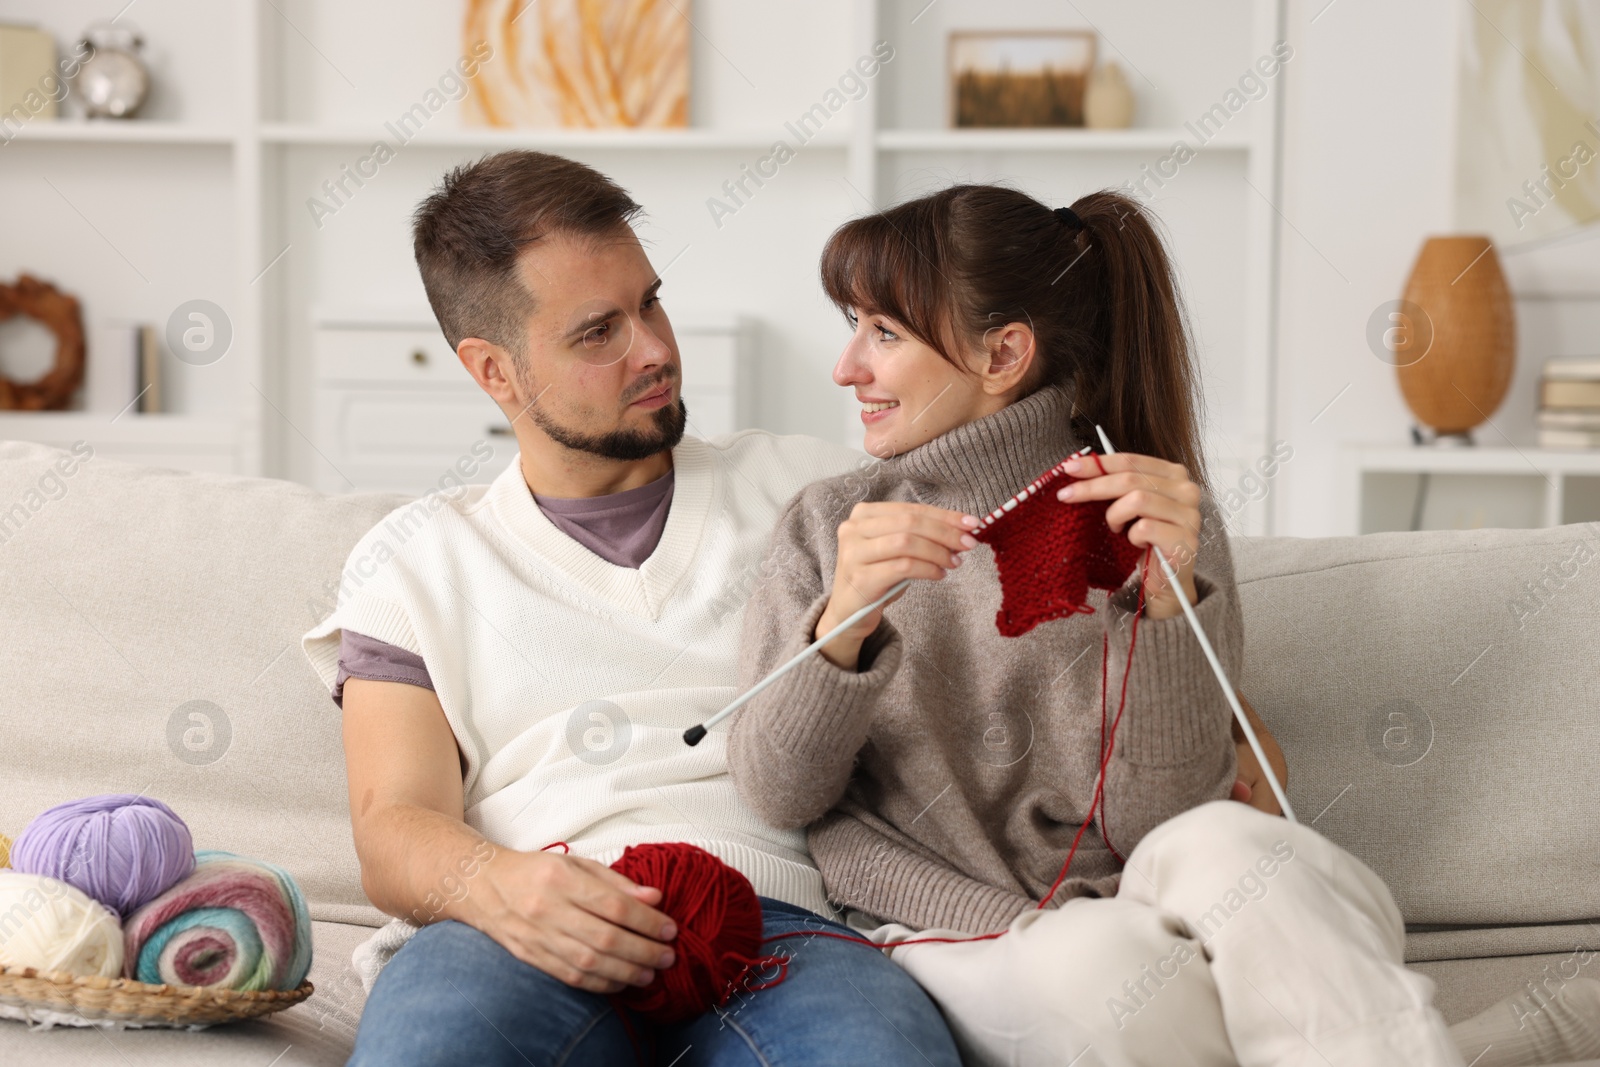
{"points": [[1251, 786], [1156, 504], [881, 543]]}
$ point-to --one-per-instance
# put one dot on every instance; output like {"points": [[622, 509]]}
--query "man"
{"points": [[517, 672]]}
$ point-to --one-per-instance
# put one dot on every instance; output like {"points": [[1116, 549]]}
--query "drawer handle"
{"points": [[499, 431], [419, 357]]}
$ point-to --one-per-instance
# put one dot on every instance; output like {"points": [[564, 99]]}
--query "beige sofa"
{"points": [[1440, 719]]}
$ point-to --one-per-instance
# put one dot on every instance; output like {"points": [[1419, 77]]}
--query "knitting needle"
{"points": [[1216, 665], [694, 734]]}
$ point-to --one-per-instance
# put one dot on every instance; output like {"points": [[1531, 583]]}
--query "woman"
{"points": [[942, 770]]}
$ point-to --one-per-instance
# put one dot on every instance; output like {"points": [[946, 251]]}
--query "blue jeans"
{"points": [[453, 995]]}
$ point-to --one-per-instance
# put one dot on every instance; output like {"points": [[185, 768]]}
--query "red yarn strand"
{"points": [[1110, 743], [1105, 759]]}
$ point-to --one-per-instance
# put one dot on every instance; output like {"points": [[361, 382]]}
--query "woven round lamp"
{"points": [[1462, 374]]}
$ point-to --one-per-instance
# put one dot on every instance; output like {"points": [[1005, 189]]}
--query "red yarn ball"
{"points": [[719, 930]]}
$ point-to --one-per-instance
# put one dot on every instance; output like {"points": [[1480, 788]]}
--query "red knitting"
{"points": [[1050, 553]]}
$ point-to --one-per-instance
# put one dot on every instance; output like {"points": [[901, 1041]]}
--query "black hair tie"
{"points": [[1070, 217]]}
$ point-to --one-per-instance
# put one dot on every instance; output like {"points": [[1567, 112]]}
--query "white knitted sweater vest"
{"points": [[568, 680]]}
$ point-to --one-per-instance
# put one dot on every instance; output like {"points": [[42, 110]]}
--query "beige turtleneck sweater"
{"points": [[942, 781]]}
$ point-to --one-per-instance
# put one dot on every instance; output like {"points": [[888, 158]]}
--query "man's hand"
{"points": [[1252, 787], [578, 921]]}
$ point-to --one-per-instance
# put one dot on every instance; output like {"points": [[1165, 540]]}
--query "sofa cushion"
{"points": [[1466, 987], [150, 626], [1438, 698]]}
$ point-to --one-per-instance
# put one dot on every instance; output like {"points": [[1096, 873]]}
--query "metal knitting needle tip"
{"points": [[695, 734]]}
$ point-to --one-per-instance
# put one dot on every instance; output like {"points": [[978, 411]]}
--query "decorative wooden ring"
{"points": [[58, 313]]}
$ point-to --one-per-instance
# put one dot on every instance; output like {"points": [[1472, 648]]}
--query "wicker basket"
{"points": [[77, 1000]]}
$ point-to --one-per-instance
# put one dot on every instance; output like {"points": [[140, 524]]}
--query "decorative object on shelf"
{"points": [[1569, 403], [27, 72], [149, 395], [58, 313], [1472, 346], [1108, 99], [114, 81], [579, 64], [1014, 78]]}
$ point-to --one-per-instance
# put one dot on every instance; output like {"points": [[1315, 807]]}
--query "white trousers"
{"points": [[1237, 939]]}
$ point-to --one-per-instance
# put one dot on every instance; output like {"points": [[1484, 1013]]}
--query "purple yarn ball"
{"points": [[122, 850]]}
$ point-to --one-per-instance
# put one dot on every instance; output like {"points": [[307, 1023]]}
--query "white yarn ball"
{"points": [[51, 926]]}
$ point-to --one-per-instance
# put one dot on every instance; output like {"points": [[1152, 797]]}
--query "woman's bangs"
{"points": [[868, 264]]}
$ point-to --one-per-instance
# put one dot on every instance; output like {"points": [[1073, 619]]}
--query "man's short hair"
{"points": [[466, 236]]}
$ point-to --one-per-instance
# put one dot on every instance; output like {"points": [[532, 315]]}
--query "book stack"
{"points": [[1569, 404]]}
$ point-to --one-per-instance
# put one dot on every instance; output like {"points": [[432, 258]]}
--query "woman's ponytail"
{"points": [[1137, 377]]}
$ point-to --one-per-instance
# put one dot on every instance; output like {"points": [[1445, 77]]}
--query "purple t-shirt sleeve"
{"points": [[366, 657]]}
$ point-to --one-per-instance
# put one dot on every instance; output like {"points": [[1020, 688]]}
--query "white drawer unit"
{"points": [[396, 411], [389, 356]]}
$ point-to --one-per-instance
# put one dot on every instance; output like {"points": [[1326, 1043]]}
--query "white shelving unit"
{"points": [[258, 117], [151, 132], [545, 140], [185, 441], [1074, 140], [1390, 487]]}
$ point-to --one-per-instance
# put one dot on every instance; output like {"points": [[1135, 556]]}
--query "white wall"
{"points": [[1368, 168]]}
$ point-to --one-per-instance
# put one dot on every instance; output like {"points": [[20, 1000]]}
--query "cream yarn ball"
{"points": [[51, 926]]}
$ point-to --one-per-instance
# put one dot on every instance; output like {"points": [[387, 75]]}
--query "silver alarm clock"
{"points": [[114, 81]]}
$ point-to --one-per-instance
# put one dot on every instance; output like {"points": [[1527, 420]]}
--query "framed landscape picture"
{"points": [[1019, 77]]}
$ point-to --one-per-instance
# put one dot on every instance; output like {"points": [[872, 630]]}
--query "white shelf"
{"points": [[1053, 140], [131, 131], [165, 431], [1474, 460], [1466, 487], [472, 138]]}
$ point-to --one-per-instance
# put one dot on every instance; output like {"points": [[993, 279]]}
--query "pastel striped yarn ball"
{"points": [[50, 926], [121, 849], [235, 923], [5, 851]]}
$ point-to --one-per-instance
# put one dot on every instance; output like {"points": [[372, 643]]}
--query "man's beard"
{"points": [[664, 433]]}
